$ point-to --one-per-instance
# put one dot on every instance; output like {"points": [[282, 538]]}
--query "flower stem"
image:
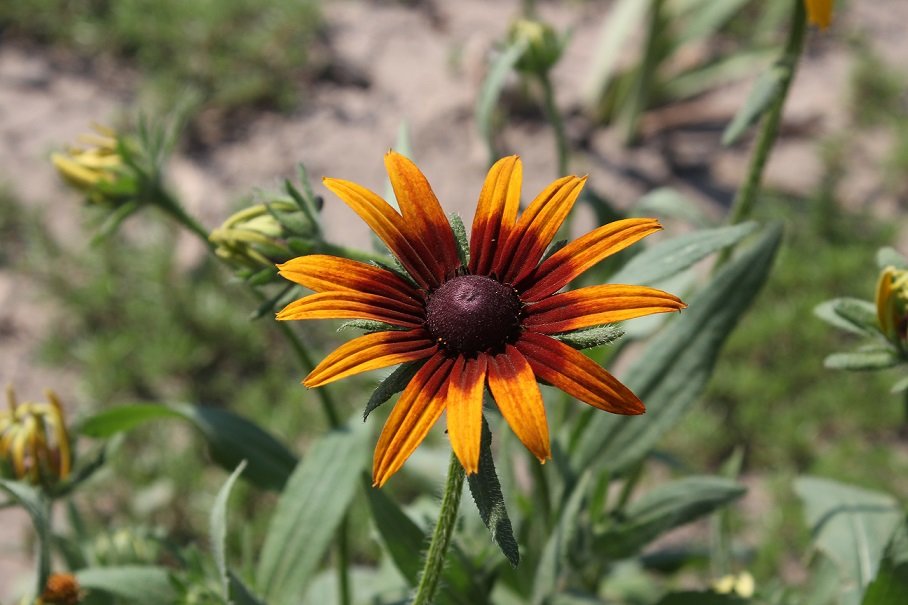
{"points": [[554, 117], [747, 194], [441, 537]]}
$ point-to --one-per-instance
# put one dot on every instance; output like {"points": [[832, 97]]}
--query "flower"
{"points": [[34, 442], [892, 305], [89, 169], [257, 237], [489, 323], [819, 12], [61, 589]]}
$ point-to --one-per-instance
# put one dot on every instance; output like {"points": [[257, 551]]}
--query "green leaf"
{"points": [[851, 526], [675, 367], [693, 597], [891, 584], [403, 539], [124, 418], [460, 236], [491, 89], [231, 438], [486, 490], [622, 20], [396, 382], [591, 337], [217, 524], [240, 593], [666, 202], [849, 314], [134, 583], [555, 553], [366, 325], [870, 358], [38, 509], [890, 257], [708, 19], [309, 510], [765, 91], [665, 507], [668, 258]]}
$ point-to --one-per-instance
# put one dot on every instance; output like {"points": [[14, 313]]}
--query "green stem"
{"points": [[175, 209], [743, 204], [441, 537], [554, 117]]}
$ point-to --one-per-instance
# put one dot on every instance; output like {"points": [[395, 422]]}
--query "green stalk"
{"points": [[742, 207], [554, 117], [441, 537]]}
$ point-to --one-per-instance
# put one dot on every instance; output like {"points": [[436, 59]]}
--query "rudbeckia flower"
{"points": [[491, 323]]}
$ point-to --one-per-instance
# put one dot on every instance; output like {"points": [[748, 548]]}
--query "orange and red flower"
{"points": [[491, 323]]}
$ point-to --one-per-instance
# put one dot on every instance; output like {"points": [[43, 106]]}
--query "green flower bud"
{"points": [[543, 45], [892, 305]]}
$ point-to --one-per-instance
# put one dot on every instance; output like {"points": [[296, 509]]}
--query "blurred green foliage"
{"points": [[232, 53]]}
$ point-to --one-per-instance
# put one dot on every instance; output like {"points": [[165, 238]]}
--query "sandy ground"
{"points": [[428, 77]]}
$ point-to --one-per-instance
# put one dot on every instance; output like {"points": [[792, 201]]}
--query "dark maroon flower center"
{"points": [[471, 314]]}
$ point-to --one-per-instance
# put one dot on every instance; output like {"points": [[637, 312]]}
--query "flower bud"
{"points": [[262, 235], [96, 169], [34, 442], [741, 585], [892, 305], [543, 46]]}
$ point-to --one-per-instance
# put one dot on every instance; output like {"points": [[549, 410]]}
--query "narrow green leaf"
{"points": [[486, 490], [675, 367], [366, 325], [851, 526], [666, 202], [693, 597], [309, 510], [665, 507], [668, 258], [624, 18], [891, 584], [109, 422], [764, 92], [708, 19], [240, 594], [396, 382], [38, 509], [403, 539], [877, 358], [490, 92], [859, 312], [830, 312], [217, 527], [591, 337], [554, 554], [460, 236], [143, 585]]}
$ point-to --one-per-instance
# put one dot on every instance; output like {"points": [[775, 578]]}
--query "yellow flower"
{"points": [[34, 442], [819, 12], [86, 169], [892, 305], [257, 237], [742, 585], [491, 323]]}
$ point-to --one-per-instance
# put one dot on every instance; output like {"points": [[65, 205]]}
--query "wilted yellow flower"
{"points": [[258, 236], [86, 168], [742, 585], [34, 442], [543, 47], [819, 12], [892, 305]]}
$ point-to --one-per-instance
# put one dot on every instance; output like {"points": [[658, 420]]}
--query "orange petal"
{"points": [[401, 238], [819, 12], [464, 406], [577, 375], [496, 212], [581, 254], [597, 305], [323, 273], [353, 305], [536, 228], [420, 208], [370, 352], [418, 408], [514, 389]]}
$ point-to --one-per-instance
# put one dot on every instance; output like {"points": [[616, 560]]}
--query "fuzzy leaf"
{"points": [[403, 539], [140, 584], [396, 382], [876, 358], [765, 91], [830, 311], [676, 365], [591, 337], [309, 510], [861, 313], [217, 524], [668, 258], [486, 490]]}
